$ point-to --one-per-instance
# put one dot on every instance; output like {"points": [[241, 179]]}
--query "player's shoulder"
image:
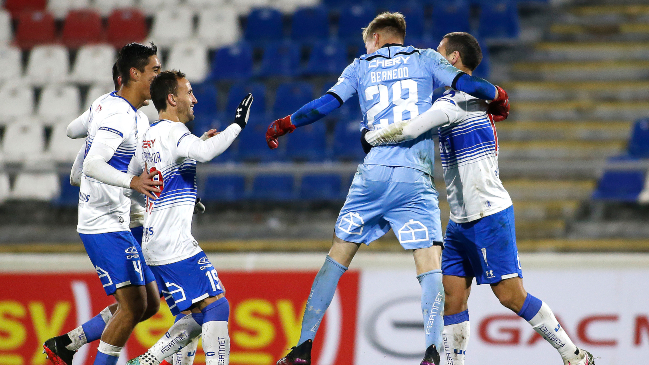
{"points": [[112, 103], [431, 54]]}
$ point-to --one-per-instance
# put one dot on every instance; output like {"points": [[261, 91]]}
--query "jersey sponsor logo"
{"points": [[383, 62], [413, 231], [148, 143], [351, 223]]}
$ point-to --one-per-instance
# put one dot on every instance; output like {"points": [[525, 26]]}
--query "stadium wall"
{"points": [[600, 299]]}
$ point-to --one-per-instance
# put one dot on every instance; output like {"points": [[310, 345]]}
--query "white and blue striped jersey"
{"points": [[396, 83], [113, 121], [469, 151], [167, 228]]}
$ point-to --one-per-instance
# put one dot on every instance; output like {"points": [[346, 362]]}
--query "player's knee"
{"points": [[511, 300], [152, 307]]}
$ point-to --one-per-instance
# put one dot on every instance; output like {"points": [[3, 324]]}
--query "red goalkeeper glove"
{"points": [[499, 107], [277, 129]]}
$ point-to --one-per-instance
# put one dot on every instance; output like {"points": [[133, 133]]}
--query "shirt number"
{"points": [[400, 105]]}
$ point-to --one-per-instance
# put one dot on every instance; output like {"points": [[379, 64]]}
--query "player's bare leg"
{"points": [[429, 274], [456, 318]]}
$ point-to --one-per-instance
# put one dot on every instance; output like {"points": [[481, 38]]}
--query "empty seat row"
{"points": [[44, 186], [25, 143]]}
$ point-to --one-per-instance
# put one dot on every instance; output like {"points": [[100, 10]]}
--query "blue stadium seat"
{"points": [[451, 16], [351, 21], [239, 91], [280, 59], [326, 58], [639, 142], [205, 94], [290, 97], [232, 63], [621, 186], [264, 24], [310, 24], [321, 187], [307, 143], [414, 19], [347, 141], [69, 195], [335, 4], [484, 68], [252, 144], [225, 188], [499, 20], [273, 188]]}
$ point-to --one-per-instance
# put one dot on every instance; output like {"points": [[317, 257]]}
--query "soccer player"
{"points": [[393, 188], [186, 278], [480, 236]]}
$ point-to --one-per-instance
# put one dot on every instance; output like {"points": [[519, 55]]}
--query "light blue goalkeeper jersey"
{"points": [[393, 84]]}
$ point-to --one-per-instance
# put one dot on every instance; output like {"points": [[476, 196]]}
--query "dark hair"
{"points": [[134, 55], [468, 47], [164, 84], [390, 23], [115, 76]]}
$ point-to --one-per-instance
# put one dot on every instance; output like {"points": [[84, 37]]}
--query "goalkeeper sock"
{"points": [[322, 292], [432, 304], [456, 337]]}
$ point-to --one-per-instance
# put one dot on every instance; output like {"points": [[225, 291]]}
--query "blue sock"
{"points": [[322, 292], [456, 318], [198, 317], [530, 308], [432, 305], [217, 311], [94, 328], [105, 359]]}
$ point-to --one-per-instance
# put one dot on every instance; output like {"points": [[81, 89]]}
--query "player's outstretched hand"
{"points": [[145, 184], [243, 111], [499, 107], [277, 129], [199, 208]]}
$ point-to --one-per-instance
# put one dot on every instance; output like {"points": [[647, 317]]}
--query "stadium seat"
{"points": [[621, 186], [19, 6], [105, 8], [23, 141], [252, 145], [639, 142], [94, 63], [352, 20], [59, 103], [263, 25], [452, 16], [415, 20], [218, 27], [232, 63], [206, 95], [499, 20], [61, 148], [172, 26], [82, 27], [335, 4], [347, 145], [42, 186], [273, 188], [5, 187], [238, 91], [47, 64], [280, 59], [125, 26], [60, 8], [310, 24], [35, 28], [206, 4], [68, 194], [191, 58], [96, 90], [307, 144], [484, 68], [150, 7], [244, 7], [6, 32], [321, 187], [222, 188], [290, 6], [290, 97], [326, 58], [10, 63], [16, 102]]}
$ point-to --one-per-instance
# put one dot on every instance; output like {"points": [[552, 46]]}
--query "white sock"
{"points": [[186, 355], [456, 339], [109, 349], [216, 343], [78, 335], [545, 324], [178, 336]]}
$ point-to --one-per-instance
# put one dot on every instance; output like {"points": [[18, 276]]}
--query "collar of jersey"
{"points": [[114, 93], [160, 120], [389, 50]]}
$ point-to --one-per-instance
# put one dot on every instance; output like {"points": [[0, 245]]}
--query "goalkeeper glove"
{"points": [[198, 206], [499, 107], [277, 129], [243, 111], [364, 143]]}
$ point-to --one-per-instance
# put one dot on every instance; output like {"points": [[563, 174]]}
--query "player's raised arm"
{"points": [[78, 128]]}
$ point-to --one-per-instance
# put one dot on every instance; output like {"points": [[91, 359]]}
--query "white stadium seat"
{"points": [[172, 25], [206, 4], [62, 148], [218, 27], [6, 34], [94, 64], [10, 63], [23, 141], [150, 112], [59, 103], [16, 102], [105, 7], [244, 6], [47, 64], [60, 8], [191, 59], [150, 7], [36, 186], [95, 91]]}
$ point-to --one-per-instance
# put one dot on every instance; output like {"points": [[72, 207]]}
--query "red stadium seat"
{"points": [[15, 7], [125, 26], [82, 27], [35, 28]]}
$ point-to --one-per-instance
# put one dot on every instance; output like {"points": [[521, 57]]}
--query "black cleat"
{"points": [[299, 355], [431, 357], [56, 351]]}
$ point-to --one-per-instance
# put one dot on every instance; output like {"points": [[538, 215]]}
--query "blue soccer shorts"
{"points": [[118, 260], [187, 282], [138, 232], [384, 197], [484, 249]]}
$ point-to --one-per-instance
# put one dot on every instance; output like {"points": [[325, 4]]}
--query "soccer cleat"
{"points": [[146, 358], [431, 357], [299, 355], [586, 358], [56, 352]]}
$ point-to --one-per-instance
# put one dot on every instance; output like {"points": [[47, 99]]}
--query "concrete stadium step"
{"points": [[563, 130], [577, 90], [560, 149], [593, 31], [591, 51], [581, 71], [532, 210], [578, 110], [550, 190]]}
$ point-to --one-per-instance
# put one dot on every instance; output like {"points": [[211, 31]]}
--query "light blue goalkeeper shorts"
{"points": [[384, 197]]}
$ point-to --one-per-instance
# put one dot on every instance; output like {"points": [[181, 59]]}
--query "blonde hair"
{"points": [[393, 24]]}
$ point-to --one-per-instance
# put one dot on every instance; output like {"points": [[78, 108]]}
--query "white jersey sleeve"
{"points": [[190, 146], [78, 128]]}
